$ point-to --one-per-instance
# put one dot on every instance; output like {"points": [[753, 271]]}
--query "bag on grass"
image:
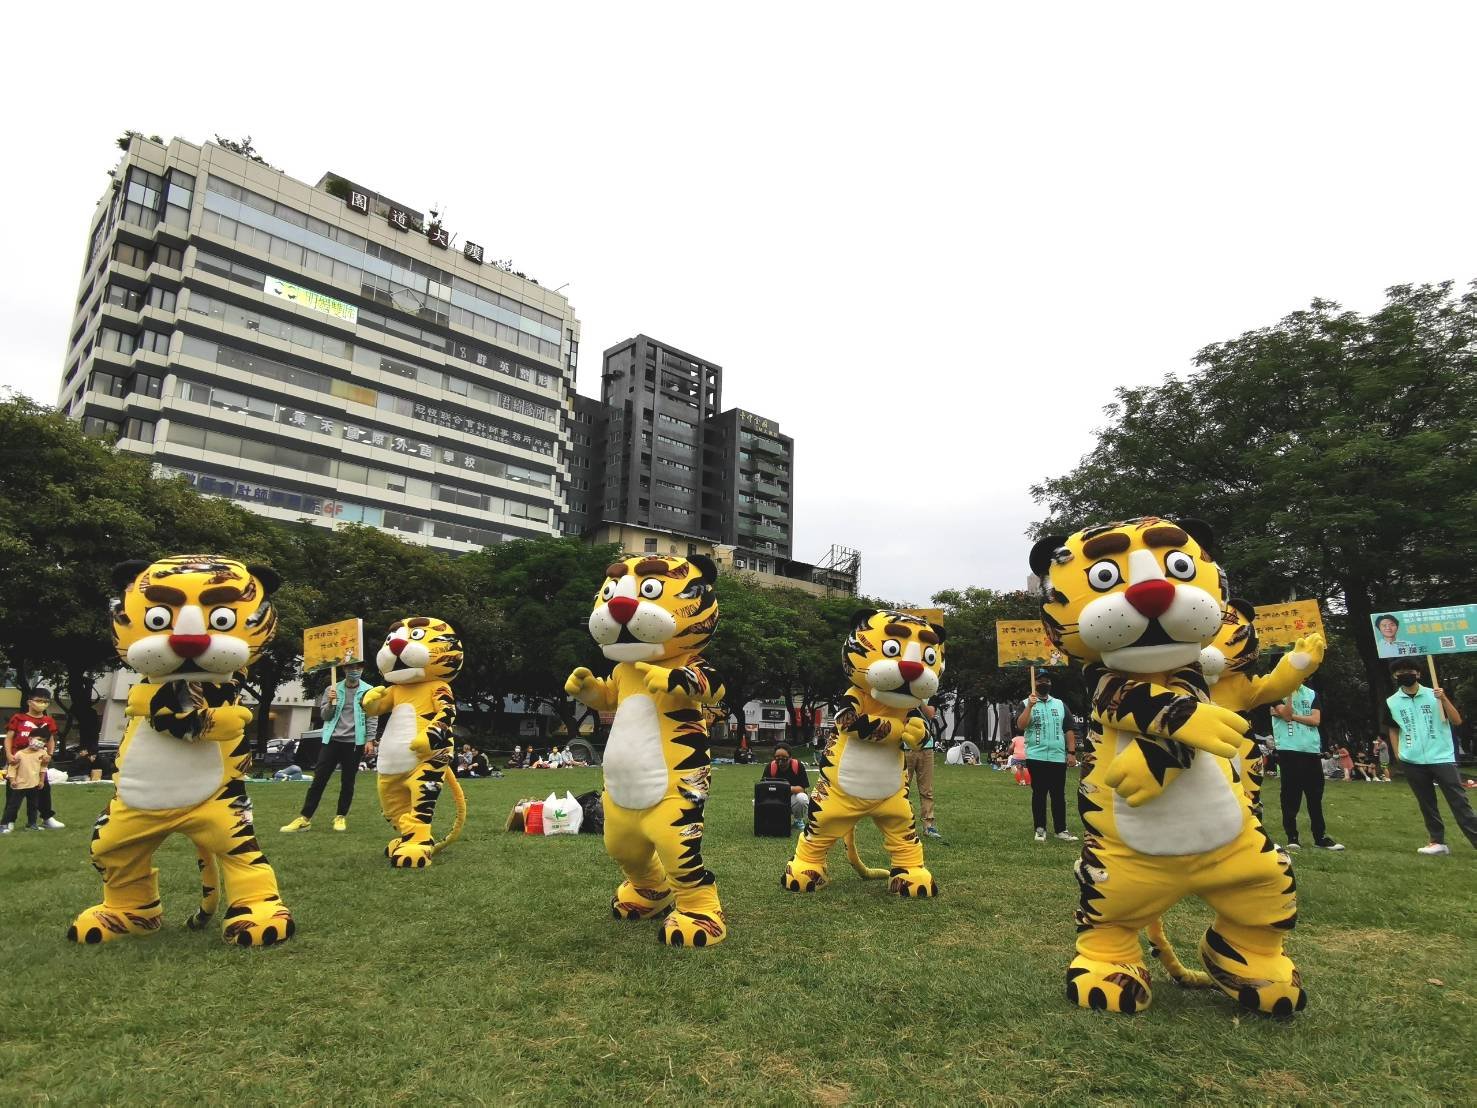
{"points": [[562, 815], [594, 809], [533, 818]]}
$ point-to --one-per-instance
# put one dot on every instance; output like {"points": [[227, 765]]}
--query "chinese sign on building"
{"points": [[307, 298]]}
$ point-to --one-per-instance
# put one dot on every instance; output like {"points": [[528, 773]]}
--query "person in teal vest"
{"points": [[1300, 765], [1420, 722], [346, 728], [1051, 746]]}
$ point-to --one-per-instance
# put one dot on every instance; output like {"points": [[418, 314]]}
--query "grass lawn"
{"points": [[498, 974]]}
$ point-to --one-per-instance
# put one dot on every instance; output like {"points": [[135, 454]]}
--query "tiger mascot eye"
{"points": [[894, 662], [418, 660], [189, 625], [652, 617], [1162, 810]]}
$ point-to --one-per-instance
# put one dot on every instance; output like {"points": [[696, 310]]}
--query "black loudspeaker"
{"points": [[772, 809]]}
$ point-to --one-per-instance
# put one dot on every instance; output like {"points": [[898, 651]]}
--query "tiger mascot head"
{"points": [[1142, 596], [894, 658], [655, 609], [1235, 647], [192, 617], [419, 648]]}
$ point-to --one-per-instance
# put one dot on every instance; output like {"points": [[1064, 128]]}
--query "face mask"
{"points": [[1408, 679]]}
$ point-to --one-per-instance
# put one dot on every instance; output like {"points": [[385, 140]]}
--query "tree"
{"points": [[244, 148], [754, 645], [1332, 453]]}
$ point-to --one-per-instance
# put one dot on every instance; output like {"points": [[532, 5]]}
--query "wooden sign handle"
{"points": [[1033, 680], [1431, 662]]}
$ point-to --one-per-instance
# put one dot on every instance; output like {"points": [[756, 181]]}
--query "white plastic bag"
{"points": [[562, 815]]}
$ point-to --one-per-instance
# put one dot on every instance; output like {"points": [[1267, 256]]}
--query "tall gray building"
{"points": [[320, 353]]}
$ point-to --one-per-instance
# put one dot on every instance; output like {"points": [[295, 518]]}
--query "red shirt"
{"points": [[22, 724]]}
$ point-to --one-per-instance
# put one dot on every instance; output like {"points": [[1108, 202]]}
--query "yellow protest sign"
{"points": [[1023, 642], [1283, 624], [333, 644]]}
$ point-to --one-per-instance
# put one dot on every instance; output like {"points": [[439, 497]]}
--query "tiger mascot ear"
{"points": [[939, 631], [1041, 554], [1243, 606], [861, 617], [125, 573], [1202, 533], [271, 580], [707, 569]]}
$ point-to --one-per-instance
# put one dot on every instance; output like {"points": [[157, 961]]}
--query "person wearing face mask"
{"points": [[1051, 747], [1295, 723], [346, 728], [1420, 722]]}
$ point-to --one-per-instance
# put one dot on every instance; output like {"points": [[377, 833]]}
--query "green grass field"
{"points": [[499, 976]]}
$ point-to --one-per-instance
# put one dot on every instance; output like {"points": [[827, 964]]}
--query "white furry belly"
{"points": [[396, 736], [1197, 812], [635, 766], [870, 771], [160, 771]]}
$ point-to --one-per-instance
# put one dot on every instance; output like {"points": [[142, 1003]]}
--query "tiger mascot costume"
{"points": [[189, 625], [418, 659], [653, 616], [893, 662], [1163, 813]]}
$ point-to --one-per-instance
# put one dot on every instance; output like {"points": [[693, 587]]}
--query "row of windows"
{"points": [[665, 418], [126, 342], [676, 465], [142, 257], [333, 508], [245, 274], [253, 319], [673, 509], [147, 199], [384, 401], [343, 469], [425, 283], [317, 423], [674, 442], [120, 384], [135, 300], [141, 430]]}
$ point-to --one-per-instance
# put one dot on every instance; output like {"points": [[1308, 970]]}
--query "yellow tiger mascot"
{"points": [[418, 659], [653, 616], [894, 662], [1162, 813], [189, 625]]}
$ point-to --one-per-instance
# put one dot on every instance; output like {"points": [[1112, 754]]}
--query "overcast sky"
{"points": [[928, 240]]}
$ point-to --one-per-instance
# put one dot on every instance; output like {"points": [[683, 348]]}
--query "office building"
{"points": [[320, 353]]}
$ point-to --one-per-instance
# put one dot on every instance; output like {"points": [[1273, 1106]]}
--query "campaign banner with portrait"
{"points": [[1417, 631], [1279, 625], [1023, 642]]}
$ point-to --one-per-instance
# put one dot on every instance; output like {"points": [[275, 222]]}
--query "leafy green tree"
{"points": [[754, 647], [1332, 453]]}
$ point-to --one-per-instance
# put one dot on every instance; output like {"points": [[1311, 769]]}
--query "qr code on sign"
{"points": [[1470, 640], [1448, 642]]}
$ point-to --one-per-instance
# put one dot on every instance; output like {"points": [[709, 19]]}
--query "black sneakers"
{"points": [[1326, 843]]}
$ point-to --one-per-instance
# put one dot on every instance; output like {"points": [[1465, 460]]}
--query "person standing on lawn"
{"points": [[346, 728], [1051, 747], [1420, 722], [919, 764], [1295, 723], [22, 728]]}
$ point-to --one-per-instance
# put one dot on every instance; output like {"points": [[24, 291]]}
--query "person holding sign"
{"points": [[1051, 746], [346, 728], [1420, 725]]}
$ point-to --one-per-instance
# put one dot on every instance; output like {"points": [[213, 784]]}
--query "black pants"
{"points": [[1423, 781], [1048, 779], [1302, 777], [13, 804], [346, 757]]}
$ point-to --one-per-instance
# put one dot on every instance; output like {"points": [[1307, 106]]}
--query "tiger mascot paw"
{"points": [[101, 924], [801, 878], [1109, 986], [913, 882], [633, 903], [409, 855], [261, 923], [682, 929], [1270, 985]]}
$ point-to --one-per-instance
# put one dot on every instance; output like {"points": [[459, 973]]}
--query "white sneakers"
{"points": [[1040, 834], [1434, 848], [1066, 836], [51, 823]]}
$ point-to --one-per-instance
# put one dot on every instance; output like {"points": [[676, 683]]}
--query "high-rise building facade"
{"points": [[320, 353]]}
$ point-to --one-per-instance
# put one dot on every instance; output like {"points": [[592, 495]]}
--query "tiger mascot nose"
{"points": [[189, 646], [622, 608], [397, 645], [1151, 599], [911, 671]]}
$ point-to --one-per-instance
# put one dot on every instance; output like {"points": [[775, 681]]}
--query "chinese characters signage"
{"points": [[333, 644], [1284, 624], [472, 252], [307, 298], [758, 423], [1449, 630], [359, 201], [1023, 642]]}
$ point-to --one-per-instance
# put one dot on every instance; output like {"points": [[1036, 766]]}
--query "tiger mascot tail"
{"points": [[418, 659], [868, 873]]}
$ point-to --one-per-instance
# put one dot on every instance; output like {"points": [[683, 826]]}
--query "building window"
{"points": [[163, 299], [141, 430], [650, 547], [97, 427]]}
